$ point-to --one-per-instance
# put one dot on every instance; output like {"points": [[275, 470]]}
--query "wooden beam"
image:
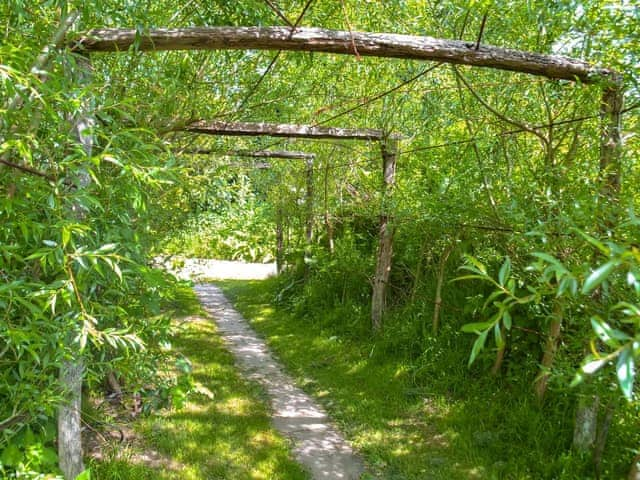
{"points": [[349, 43], [282, 130], [284, 154], [257, 166]]}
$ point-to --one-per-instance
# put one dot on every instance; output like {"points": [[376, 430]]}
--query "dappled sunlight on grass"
{"points": [[227, 437], [236, 406], [410, 426]]}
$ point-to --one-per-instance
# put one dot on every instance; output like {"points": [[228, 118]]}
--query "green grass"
{"points": [[423, 416], [227, 437]]}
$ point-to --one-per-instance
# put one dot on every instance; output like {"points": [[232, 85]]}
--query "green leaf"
{"points": [[598, 276], [505, 271], [478, 345], [497, 334], [49, 457], [550, 260], [86, 475], [625, 369], [593, 366], [107, 247], [596, 243], [611, 336], [476, 327], [476, 263], [506, 320], [11, 456]]}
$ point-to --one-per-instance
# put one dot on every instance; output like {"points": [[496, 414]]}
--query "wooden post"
{"points": [[385, 244], [72, 368], [279, 238], [327, 219], [611, 138], [586, 420], [308, 233]]}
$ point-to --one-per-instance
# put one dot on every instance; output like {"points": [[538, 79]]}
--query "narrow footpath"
{"points": [[317, 444]]}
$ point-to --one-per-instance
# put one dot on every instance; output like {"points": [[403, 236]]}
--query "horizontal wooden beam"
{"points": [[257, 166], [282, 130], [284, 154], [349, 43]]}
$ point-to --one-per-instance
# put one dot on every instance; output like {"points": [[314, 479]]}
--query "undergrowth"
{"points": [[222, 431], [407, 400]]}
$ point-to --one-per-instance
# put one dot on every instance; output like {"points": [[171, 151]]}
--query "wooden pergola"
{"points": [[389, 148], [275, 154], [348, 43]]}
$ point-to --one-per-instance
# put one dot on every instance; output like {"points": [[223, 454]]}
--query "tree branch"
{"points": [[524, 126]]}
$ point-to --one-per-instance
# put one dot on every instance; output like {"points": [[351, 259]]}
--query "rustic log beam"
{"points": [[246, 129], [283, 154], [256, 166], [341, 42]]}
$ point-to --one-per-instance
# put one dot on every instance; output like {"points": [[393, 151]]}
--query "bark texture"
{"points": [[550, 349], [72, 369], [308, 232], [69, 427], [342, 42], [611, 138], [283, 154], [386, 232], [437, 304], [281, 130], [279, 239], [586, 423]]}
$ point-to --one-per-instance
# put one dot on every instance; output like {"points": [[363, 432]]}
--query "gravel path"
{"points": [[317, 444]]}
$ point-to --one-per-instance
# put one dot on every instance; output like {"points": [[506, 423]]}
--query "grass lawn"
{"points": [[447, 423], [227, 437]]}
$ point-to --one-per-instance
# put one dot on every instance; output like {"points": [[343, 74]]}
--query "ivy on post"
{"points": [[72, 368], [389, 147]]}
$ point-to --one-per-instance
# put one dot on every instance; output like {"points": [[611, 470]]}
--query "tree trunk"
{"points": [[586, 423], [69, 421], [634, 472], [550, 349], [72, 368], [437, 304], [385, 246], [601, 438]]}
